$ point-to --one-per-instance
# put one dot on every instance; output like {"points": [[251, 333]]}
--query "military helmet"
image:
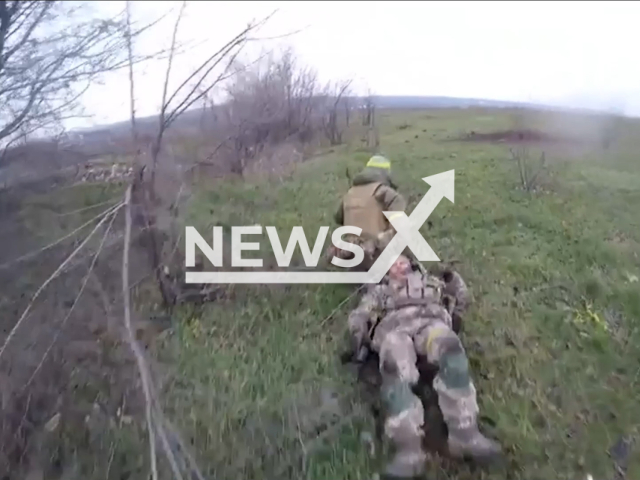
{"points": [[378, 161]]}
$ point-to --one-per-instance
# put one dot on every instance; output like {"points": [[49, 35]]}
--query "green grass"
{"points": [[254, 375]]}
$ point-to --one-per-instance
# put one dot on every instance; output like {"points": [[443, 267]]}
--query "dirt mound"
{"points": [[518, 136]]}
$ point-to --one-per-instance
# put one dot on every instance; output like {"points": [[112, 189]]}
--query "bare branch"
{"points": [[332, 129], [163, 107], [172, 49], [153, 426], [75, 301], [60, 240], [50, 53], [57, 272], [132, 340], [132, 97]]}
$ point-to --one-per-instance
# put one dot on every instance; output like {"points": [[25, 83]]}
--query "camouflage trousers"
{"points": [[398, 343]]}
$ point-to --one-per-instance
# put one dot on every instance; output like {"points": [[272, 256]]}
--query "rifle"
{"points": [[362, 354], [415, 262], [363, 349]]}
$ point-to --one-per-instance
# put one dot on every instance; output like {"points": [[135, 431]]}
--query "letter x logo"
{"points": [[408, 227]]}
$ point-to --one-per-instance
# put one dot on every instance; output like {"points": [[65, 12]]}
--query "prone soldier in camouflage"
{"points": [[371, 193], [414, 321]]}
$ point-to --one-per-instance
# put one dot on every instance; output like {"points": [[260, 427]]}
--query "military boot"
{"points": [[403, 428], [470, 443], [408, 460]]}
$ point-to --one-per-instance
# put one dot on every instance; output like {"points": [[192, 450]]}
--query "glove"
{"points": [[358, 335], [354, 352]]}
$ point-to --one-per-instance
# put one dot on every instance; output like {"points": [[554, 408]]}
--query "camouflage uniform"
{"points": [[372, 247], [371, 193], [415, 322], [368, 245]]}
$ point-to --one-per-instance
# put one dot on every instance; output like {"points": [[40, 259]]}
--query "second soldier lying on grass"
{"points": [[410, 319]]}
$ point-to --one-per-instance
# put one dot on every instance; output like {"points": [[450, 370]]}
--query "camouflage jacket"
{"points": [[422, 294]]}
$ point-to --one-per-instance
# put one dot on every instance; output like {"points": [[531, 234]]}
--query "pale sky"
{"points": [[581, 54]]}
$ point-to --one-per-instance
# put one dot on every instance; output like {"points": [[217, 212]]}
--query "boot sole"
{"points": [[390, 476], [488, 460]]}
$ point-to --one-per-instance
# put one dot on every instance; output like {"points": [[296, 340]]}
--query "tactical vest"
{"points": [[361, 209], [419, 291]]}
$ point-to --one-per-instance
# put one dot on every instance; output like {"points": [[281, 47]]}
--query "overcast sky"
{"points": [[574, 53]]}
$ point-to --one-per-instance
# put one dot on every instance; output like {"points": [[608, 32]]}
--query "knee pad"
{"points": [[443, 340], [398, 396], [454, 369]]}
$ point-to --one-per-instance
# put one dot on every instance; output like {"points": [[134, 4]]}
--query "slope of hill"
{"points": [[197, 115], [253, 380], [552, 336]]}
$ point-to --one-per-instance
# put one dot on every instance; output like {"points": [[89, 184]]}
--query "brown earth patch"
{"points": [[521, 137]]}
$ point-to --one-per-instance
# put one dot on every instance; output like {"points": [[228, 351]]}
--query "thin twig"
{"points": [[314, 444], [62, 239], [75, 301], [142, 367], [132, 106], [172, 48], [132, 340], [50, 279], [302, 445], [340, 305], [90, 207], [194, 467]]}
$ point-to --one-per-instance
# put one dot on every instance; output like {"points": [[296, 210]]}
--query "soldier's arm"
{"points": [[390, 199], [456, 290], [339, 215], [367, 310]]}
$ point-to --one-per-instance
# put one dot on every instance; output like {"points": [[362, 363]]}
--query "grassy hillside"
{"points": [[552, 336]]}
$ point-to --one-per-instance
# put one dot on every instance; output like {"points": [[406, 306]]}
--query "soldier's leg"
{"points": [[333, 251], [371, 253], [405, 415], [456, 392]]}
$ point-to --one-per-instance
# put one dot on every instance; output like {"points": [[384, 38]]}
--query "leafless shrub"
{"points": [[529, 169], [372, 137], [275, 101], [333, 128], [268, 103]]}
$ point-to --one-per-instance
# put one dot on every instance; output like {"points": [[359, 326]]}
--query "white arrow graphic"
{"points": [[407, 235], [407, 228]]}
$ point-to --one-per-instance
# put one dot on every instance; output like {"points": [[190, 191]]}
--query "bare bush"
{"points": [[372, 138], [277, 101], [528, 168], [335, 97], [270, 102]]}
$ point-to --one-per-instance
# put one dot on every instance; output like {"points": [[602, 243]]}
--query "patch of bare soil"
{"points": [[68, 386], [520, 137]]}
